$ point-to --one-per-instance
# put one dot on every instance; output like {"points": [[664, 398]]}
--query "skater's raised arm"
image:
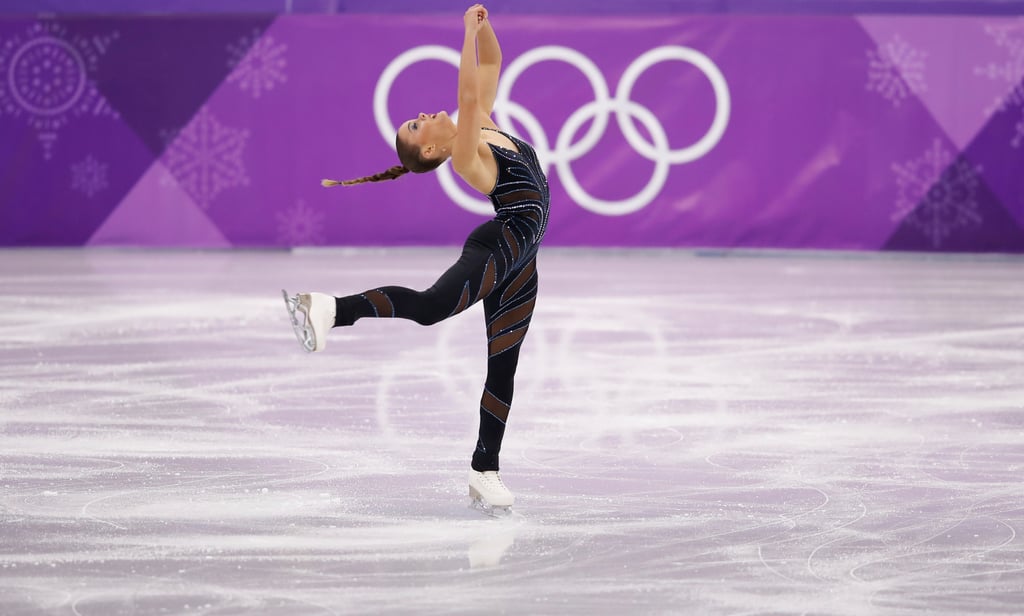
{"points": [[466, 148], [424, 142], [490, 64]]}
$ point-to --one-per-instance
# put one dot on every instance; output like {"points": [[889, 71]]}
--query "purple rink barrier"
{"points": [[862, 133]]}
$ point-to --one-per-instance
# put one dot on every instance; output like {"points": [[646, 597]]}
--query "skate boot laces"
{"points": [[493, 479]]}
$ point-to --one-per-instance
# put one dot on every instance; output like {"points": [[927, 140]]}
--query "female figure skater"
{"points": [[498, 264]]}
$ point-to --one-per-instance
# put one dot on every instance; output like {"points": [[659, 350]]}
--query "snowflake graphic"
{"points": [[45, 78], [89, 176], [257, 63], [937, 194], [895, 70], [300, 225], [1010, 71], [205, 157]]}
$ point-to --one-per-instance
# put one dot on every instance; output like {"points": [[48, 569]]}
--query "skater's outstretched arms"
{"points": [[466, 159]]}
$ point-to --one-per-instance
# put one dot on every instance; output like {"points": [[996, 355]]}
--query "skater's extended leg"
{"points": [[484, 262]]}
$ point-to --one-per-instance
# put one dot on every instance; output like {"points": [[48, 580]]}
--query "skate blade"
{"points": [[303, 333], [477, 502], [489, 510]]}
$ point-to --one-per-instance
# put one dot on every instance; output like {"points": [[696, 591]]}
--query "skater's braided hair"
{"points": [[391, 174], [411, 160]]}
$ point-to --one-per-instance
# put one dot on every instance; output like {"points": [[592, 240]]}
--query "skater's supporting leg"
{"points": [[508, 311], [496, 266]]}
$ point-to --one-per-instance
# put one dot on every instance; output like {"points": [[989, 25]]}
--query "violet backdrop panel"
{"points": [[754, 163], [67, 155], [795, 167], [957, 195], [840, 132]]}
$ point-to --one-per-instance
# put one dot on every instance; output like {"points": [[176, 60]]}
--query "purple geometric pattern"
{"points": [[1009, 71], [937, 194], [48, 78], [205, 157], [300, 225], [89, 176], [863, 133], [257, 63], [896, 71]]}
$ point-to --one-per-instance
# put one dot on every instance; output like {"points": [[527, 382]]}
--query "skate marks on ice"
{"points": [[840, 438], [744, 435]]}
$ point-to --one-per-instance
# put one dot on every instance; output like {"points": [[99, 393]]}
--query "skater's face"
{"points": [[431, 133]]}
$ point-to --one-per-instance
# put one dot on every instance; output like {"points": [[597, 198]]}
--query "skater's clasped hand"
{"points": [[474, 18]]}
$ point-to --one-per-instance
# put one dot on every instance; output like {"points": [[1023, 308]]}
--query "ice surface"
{"points": [[760, 433]]}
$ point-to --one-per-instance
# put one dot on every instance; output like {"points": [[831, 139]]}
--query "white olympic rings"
{"points": [[565, 151]]}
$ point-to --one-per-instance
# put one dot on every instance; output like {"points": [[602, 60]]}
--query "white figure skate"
{"points": [[312, 316], [489, 494]]}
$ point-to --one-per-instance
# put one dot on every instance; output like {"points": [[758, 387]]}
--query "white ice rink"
{"points": [[755, 433]]}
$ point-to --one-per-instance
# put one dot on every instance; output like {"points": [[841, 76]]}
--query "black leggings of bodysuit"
{"points": [[498, 266]]}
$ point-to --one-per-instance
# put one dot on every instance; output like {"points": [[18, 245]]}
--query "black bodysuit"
{"points": [[499, 267]]}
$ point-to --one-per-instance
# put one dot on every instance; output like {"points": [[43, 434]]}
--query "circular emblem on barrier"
{"points": [[46, 76]]}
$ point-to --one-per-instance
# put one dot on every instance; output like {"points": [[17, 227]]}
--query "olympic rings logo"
{"points": [[600, 109]]}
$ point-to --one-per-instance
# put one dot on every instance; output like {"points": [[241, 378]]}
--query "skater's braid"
{"points": [[391, 174], [411, 159]]}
